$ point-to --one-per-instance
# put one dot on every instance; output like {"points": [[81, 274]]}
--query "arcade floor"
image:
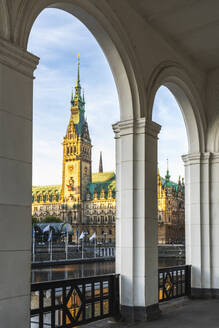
{"points": [[178, 314]]}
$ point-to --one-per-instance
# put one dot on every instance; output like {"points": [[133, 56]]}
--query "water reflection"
{"points": [[88, 269], [73, 271]]}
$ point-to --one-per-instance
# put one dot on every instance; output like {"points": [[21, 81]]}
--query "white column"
{"points": [[16, 85], [136, 218], [214, 208], [198, 220]]}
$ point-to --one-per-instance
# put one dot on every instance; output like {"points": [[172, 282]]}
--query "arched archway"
{"points": [[119, 62], [181, 86], [112, 44], [197, 167], [213, 137]]}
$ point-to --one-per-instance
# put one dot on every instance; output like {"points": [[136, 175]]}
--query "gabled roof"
{"points": [[101, 181]]}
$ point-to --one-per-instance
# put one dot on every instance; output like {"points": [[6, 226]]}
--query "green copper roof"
{"points": [[166, 183], [78, 100], [53, 192], [102, 181]]}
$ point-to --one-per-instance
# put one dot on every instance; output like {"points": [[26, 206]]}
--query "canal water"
{"points": [[88, 269]]}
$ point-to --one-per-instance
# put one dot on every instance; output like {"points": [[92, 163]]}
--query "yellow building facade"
{"points": [[171, 210]]}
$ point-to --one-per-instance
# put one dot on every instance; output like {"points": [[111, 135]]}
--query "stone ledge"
{"points": [[18, 59]]}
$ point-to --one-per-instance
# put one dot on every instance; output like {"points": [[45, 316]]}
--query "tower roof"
{"points": [[78, 85], [78, 105]]}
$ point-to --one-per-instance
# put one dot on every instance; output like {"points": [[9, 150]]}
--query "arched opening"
{"points": [[96, 194], [108, 40], [192, 188], [172, 144], [84, 193]]}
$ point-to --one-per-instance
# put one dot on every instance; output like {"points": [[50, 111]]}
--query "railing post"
{"points": [[116, 305], [188, 280]]}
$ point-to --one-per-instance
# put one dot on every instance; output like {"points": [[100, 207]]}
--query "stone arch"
{"points": [[213, 137], [172, 76], [116, 47]]}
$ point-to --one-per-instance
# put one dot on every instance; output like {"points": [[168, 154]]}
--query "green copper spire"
{"points": [[167, 176], [78, 85], [72, 97]]}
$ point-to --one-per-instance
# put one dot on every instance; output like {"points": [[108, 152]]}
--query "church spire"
{"points": [[167, 176], [101, 163], [78, 85]]}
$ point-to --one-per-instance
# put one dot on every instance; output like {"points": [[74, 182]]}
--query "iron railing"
{"points": [[73, 302], [174, 282]]}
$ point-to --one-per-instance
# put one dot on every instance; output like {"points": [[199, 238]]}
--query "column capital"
{"points": [[136, 126], [215, 157], [200, 158], [18, 59]]}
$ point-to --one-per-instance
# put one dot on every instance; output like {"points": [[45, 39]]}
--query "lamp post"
{"points": [[105, 233]]}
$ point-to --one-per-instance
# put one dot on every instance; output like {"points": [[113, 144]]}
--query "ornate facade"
{"points": [[171, 210], [85, 200]]}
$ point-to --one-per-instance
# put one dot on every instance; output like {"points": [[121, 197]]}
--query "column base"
{"points": [[138, 313], [204, 293]]}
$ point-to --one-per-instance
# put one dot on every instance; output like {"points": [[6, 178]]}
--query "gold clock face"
{"points": [[71, 168]]}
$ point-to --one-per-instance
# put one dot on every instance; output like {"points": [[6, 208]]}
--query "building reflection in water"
{"points": [[88, 269], [73, 271]]}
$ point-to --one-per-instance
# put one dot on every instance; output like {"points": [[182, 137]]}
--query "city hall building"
{"points": [[87, 200]]}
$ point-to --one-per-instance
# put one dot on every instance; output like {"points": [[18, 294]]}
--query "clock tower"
{"points": [[77, 146]]}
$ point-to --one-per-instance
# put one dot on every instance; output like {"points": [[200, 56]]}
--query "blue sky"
{"points": [[57, 37]]}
